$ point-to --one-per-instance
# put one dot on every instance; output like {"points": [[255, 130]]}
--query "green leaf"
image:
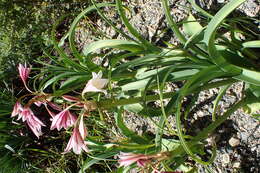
{"points": [[197, 39], [113, 43], [109, 22], [62, 40], [57, 78], [134, 146], [136, 108], [256, 116], [135, 85], [174, 76], [217, 100], [169, 144], [233, 58], [251, 108], [244, 74], [91, 161], [191, 26], [64, 57], [250, 76], [91, 66], [252, 44], [172, 23], [150, 47], [255, 90], [199, 9], [74, 81], [127, 132], [201, 77]]}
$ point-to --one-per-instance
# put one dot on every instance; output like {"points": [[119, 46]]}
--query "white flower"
{"points": [[96, 84]]}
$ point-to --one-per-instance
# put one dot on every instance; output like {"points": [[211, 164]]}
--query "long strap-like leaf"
{"points": [[209, 38]]}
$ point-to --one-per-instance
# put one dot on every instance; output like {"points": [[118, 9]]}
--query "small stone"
{"points": [[225, 159], [200, 114], [244, 136], [221, 1], [233, 142], [236, 165]]}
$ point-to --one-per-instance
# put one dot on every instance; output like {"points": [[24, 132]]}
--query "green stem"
{"points": [[113, 103], [106, 104]]}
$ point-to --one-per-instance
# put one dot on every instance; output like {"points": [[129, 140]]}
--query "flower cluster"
{"points": [[64, 118]]}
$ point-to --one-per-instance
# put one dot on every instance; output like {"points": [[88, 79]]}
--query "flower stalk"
{"points": [[106, 104]]}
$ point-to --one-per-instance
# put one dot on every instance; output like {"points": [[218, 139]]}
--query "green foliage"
{"points": [[10, 143], [138, 72], [25, 28], [140, 67]]}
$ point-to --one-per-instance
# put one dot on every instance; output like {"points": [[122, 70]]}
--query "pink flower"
{"points": [[25, 114], [96, 84], [35, 124], [63, 119], [17, 109], [76, 142], [126, 159], [54, 106], [24, 72]]}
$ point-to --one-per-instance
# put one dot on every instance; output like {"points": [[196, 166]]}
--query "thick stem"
{"points": [[106, 104], [113, 103]]}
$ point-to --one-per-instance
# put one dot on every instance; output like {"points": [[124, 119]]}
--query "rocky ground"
{"points": [[238, 138]]}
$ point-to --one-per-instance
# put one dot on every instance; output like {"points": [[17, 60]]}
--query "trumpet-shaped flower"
{"points": [[35, 124], [63, 119], [126, 159], [76, 142], [24, 72], [96, 84]]}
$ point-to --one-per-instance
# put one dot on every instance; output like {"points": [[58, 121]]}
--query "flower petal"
{"points": [[17, 109]]}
